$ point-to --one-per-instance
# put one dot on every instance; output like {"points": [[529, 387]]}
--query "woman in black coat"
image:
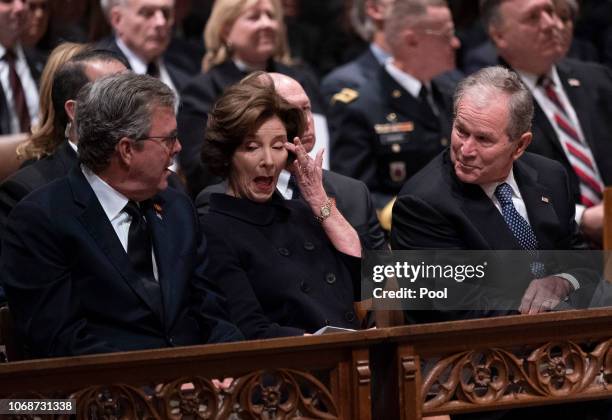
{"points": [[241, 36], [286, 267]]}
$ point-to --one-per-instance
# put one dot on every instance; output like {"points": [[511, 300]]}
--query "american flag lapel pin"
{"points": [[573, 82], [158, 210], [545, 199]]}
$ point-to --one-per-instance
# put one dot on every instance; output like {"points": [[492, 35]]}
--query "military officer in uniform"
{"points": [[388, 129]]}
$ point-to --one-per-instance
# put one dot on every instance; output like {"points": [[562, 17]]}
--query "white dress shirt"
{"points": [[113, 203], [519, 204], [27, 82]]}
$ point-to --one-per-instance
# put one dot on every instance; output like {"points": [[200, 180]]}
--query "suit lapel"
{"points": [[578, 99], [487, 219], [95, 221], [164, 249], [537, 199]]}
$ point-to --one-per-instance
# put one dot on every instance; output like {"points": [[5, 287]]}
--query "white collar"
{"points": [[379, 54], [111, 200], [138, 65], [531, 80], [405, 80], [489, 188]]}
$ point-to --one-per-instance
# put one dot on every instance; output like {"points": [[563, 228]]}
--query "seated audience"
{"points": [[56, 138], [573, 101], [286, 267], [107, 258], [392, 126], [241, 36], [352, 196]]}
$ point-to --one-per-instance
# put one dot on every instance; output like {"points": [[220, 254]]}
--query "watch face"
{"points": [[325, 211]]}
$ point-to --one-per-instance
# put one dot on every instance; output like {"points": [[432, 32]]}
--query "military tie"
{"points": [[19, 98]]}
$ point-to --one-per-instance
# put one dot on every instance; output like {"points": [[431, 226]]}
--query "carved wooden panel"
{"points": [[491, 376], [267, 394]]}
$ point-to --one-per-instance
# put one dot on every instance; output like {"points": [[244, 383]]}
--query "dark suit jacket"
{"points": [[277, 269], [72, 289], [179, 69], [434, 210], [352, 199], [351, 75], [589, 89], [384, 136], [197, 99], [36, 63], [39, 173]]}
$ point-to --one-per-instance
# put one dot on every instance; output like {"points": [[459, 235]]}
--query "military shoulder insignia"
{"points": [[345, 96]]}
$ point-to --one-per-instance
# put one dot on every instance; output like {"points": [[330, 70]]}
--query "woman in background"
{"points": [[241, 36]]}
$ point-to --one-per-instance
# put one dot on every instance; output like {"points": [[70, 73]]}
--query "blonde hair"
{"points": [[46, 136], [222, 17]]}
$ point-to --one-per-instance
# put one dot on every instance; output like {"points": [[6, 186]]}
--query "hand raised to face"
{"points": [[308, 173]]}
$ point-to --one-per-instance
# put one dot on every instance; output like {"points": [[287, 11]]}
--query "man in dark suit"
{"points": [[19, 71], [368, 18], [572, 120], [389, 129], [68, 80], [486, 193], [352, 196], [107, 258], [142, 34]]}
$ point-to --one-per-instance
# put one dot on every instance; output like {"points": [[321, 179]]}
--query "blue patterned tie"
{"points": [[518, 225]]}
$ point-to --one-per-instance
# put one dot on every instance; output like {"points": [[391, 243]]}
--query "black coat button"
{"points": [[305, 287], [349, 316], [330, 278], [309, 246], [284, 252]]}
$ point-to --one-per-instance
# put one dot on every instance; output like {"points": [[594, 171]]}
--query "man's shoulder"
{"points": [[352, 74], [343, 184], [431, 181], [34, 176]]}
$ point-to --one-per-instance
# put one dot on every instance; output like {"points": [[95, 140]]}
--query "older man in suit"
{"points": [[142, 33], [19, 71], [486, 193], [107, 258], [572, 121]]}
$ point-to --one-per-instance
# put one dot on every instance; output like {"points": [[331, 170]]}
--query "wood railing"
{"points": [[391, 373]]}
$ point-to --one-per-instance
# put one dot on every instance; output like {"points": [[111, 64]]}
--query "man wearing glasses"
{"points": [[389, 128], [108, 258]]}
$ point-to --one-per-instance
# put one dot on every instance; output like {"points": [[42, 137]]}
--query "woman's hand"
{"points": [[308, 174]]}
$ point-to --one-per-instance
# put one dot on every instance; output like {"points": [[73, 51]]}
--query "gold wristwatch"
{"points": [[326, 209]]}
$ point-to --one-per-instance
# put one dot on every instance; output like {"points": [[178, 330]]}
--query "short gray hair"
{"points": [[114, 107], [507, 82], [489, 13], [404, 14], [107, 5]]}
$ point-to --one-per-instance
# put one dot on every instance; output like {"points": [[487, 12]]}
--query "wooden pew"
{"points": [[272, 376]]}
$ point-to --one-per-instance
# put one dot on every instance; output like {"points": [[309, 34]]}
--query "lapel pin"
{"points": [[573, 82], [546, 199], [158, 209]]}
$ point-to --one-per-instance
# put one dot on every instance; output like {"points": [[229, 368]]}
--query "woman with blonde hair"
{"points": [[241, 36], [47, 136]]}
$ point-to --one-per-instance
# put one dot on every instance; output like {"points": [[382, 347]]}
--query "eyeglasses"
{"points": [[449, 34], [167, 141]]}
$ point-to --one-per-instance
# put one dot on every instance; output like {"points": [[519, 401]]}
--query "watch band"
{"points": [[326, 209]]}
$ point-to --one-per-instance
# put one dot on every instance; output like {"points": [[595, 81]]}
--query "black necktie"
{"points": [[139, 242], [19, 99], [294, 187], [153, 69], [424, 96]]}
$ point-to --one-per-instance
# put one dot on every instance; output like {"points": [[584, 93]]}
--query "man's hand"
{"points": [[591, 223], [544, 294]]}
